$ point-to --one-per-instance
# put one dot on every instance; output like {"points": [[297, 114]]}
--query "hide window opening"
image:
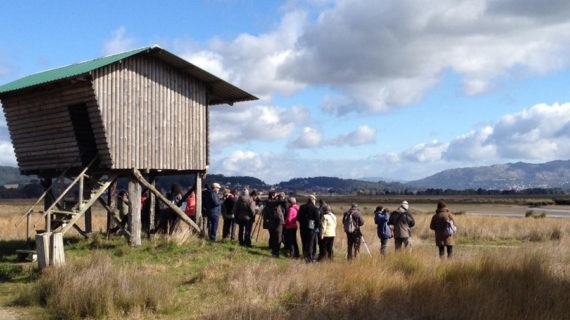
{"points": [[83, 132]]}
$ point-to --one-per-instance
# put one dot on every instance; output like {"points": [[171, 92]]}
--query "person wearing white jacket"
{"points": [[329, 232]]}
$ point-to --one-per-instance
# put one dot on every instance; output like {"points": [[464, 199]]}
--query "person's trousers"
{"points": [[308, 239], [244, 232], [407, 242], [354, 240], [442, 251], [322, 249], [327, 244], [213, 222], [228, 229], [290, 239], [383, 246], [275, 237]]}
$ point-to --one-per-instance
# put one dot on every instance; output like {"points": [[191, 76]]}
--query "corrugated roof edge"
{"points": [[68, 71], [224, 92]]}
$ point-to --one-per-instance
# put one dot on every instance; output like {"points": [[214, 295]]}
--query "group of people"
{"points": [[283, 217]]}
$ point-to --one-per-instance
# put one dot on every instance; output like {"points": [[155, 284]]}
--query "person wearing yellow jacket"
{"points": [[329, 232]]}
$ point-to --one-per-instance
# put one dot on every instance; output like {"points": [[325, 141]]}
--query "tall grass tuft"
{"points": [[96, 288], [401, 286]]}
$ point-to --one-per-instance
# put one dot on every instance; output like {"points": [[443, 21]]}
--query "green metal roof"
{"points": [[220, 91], [66, 72]]}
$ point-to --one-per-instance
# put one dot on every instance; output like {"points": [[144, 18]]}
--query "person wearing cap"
{"points": [[403, 222], [309, 223], [290, 229], [213, 207], [328, 233], [352, 222], [440, 223]]}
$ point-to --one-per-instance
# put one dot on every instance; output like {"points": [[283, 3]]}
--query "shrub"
{"points": [[95, 288], [9, 271]]}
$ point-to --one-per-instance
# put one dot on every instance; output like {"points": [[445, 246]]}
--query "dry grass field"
{"points": [[504, 268]]}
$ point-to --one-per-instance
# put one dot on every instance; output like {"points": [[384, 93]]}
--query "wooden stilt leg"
{"points": [[135, 226]]}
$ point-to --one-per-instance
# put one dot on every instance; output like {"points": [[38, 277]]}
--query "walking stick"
{"points": [[366, 245]]}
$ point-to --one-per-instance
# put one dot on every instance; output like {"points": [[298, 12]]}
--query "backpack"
{"points": [[349, 223], [450, 229]]}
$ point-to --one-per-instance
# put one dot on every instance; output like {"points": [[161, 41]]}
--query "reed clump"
{"points": [[404, 286], [96, 288]]}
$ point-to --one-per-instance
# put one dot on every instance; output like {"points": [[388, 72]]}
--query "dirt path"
{"points": [[6, 314]]}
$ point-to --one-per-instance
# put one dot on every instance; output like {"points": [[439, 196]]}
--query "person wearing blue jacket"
{"points": [[213, 208], [381, 217]]}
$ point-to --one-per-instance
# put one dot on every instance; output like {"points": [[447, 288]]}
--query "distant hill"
{"points": [[11, 175], [339, 185], [520, 175]]}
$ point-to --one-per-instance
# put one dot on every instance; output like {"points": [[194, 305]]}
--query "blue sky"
{"points": [[350, 88]]}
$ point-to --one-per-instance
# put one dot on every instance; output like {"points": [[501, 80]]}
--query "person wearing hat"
{"points": [[309, 224], [444, 226], [213, 209], [352, 222], [403, 223]]}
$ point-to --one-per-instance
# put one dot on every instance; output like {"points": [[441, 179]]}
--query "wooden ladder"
{"points": [[63, 218]]}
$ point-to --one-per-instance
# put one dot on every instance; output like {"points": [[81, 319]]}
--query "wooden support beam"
{"points": [[81, 232], [110, 207], [48, 201], [137, 174], [88, 214], [114, 217], [198, 193], [152, 206], [135, 226]]}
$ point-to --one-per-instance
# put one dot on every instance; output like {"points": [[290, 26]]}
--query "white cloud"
{"points": [[361, 136], [245, 122], [119, 42], [540, 132], [252, 61], [7, 156], [309, 138], [425, 152], [273, 168], [312, 138], [384, 54]]}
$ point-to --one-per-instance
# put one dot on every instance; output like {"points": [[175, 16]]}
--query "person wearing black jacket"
{"points": [[228, 229], [275, 219], [309, 223]]}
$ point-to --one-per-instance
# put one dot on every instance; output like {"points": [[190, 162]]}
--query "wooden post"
{"points": [[198, 191], [28, 225], [56, 256], [134, 190], [48, 201], [152, 207], [88, 215], [112, 203], [42, 248]]}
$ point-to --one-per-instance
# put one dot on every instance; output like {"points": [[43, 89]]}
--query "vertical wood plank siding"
{"points": [[41, 129], [154, 115]]}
